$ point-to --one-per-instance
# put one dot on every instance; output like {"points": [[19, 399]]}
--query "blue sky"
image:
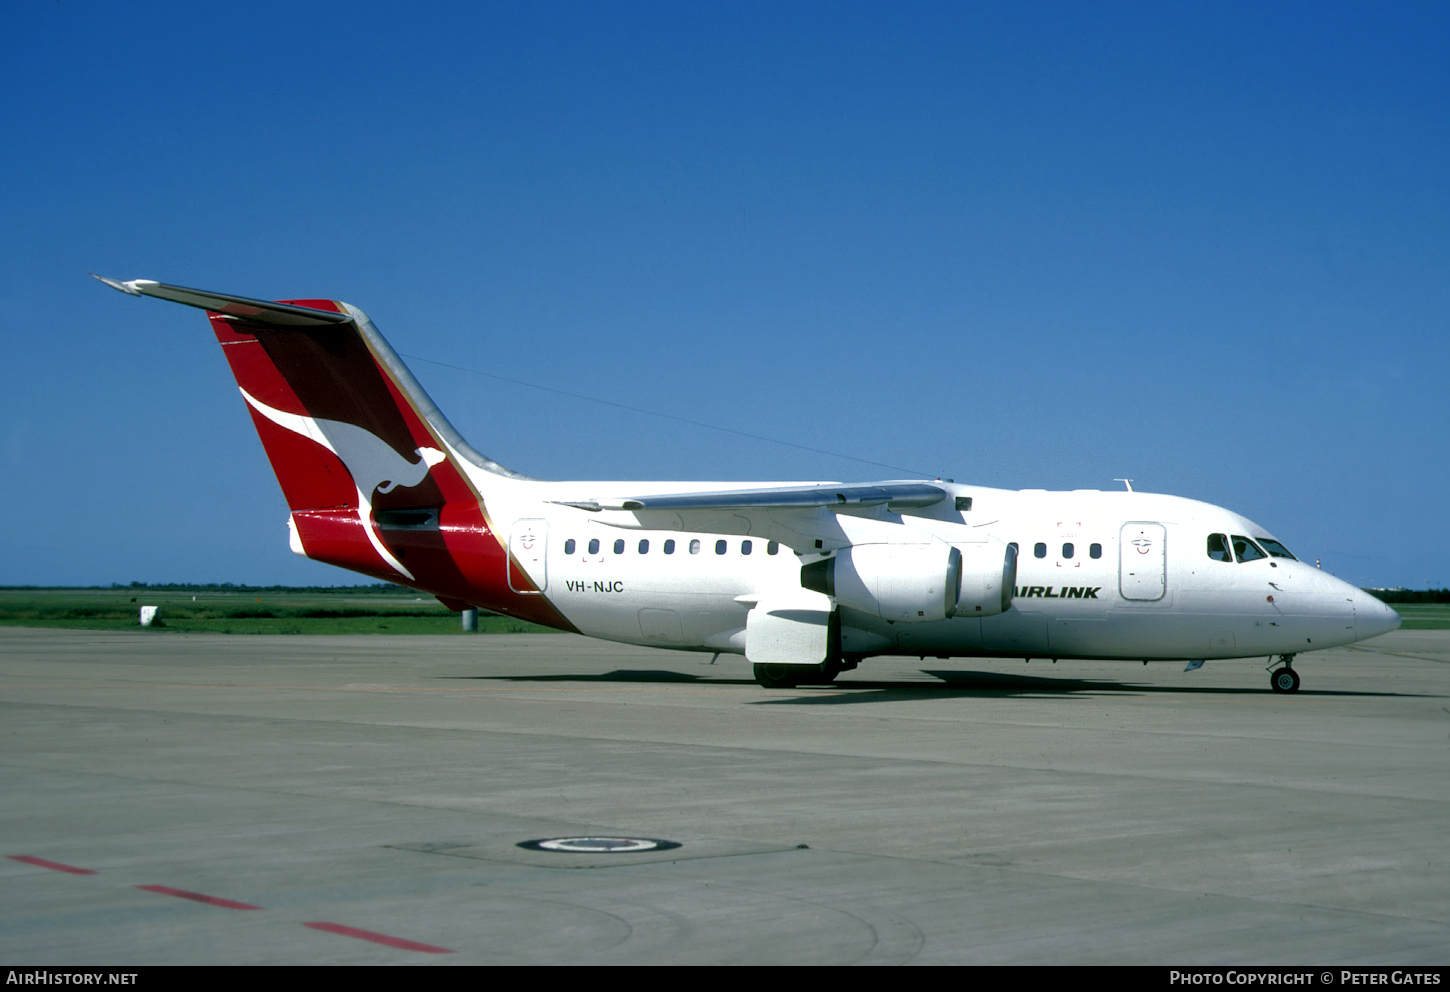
{"points": [[1201, 245]]}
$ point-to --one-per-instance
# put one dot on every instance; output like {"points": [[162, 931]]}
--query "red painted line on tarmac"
{"points": [[379, 938], [52, 865], [167, 890]]}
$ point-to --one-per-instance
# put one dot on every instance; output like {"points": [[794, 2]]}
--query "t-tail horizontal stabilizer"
{"points": [[263, 312]]}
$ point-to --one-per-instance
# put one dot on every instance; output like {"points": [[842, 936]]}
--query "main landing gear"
{"points": [[1285, 679], [790, 676]]}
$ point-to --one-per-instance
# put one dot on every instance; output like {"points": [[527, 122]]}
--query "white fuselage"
{"points": [[1085, 585]]}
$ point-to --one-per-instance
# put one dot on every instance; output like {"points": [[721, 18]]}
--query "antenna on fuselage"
{"points": [[1126, 482]]}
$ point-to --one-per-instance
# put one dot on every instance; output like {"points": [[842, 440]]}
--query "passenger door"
{"points": [[1142, 561], [528, 542]]}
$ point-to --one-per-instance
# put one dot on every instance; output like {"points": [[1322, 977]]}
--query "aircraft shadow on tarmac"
{"points": [[951, 684], [997, 685], [618, 675]]}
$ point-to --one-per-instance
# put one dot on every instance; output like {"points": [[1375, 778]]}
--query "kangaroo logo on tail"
{"points": [[372, 462]]}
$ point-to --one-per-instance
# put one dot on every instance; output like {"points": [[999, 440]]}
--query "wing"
{"points": [[893, 495], [812, 519]]}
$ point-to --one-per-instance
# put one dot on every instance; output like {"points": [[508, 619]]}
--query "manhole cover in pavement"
{"points": [[599, 845]]}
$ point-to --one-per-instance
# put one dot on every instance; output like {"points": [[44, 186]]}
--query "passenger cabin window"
{"points": [[1095, 550], [1274, 548], [619, 546], [670, 546], [1246, 550], [720, 547], [1218, 548], [772, 548], [594, 546], [569, 546], [1039, 550], [745, 547], [694, 547], [1067, 550], [644, 547]]}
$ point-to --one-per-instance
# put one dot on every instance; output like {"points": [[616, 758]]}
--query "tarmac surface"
{"points": [[361, 800]]}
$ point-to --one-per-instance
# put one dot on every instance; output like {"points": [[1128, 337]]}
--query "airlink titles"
{"points": [[1067, 592]]}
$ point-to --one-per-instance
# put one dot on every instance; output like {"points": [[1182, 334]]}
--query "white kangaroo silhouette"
{"points": [[371, 461]]}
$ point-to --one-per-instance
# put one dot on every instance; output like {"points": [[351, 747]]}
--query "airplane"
{"points": [[805, 579]]}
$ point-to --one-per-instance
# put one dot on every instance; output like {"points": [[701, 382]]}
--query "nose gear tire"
{"points": [[1284, 680]]}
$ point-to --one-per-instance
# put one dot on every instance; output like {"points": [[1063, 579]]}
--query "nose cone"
{"points": [[1372, 618]]}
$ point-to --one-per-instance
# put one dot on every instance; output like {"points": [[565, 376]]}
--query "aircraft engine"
{"points": [[989, 575], [918, 583], [906, 583]]}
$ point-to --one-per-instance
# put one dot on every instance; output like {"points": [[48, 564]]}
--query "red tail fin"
{"points": [[344, 443], [370, 469]]}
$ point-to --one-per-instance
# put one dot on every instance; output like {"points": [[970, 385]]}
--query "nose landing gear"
{"points": [[1284, 679]]}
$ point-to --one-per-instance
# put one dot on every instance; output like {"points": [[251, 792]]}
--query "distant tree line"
{"points": [[372, 588], [376, 588], [1410, 595]]}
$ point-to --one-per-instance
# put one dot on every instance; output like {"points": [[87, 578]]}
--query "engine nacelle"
{"points": [[989, 576], [905, 583], [918, 583]]}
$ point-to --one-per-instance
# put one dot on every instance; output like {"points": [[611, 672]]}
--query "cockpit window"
{"points": [[1245, 549], [1274, 548], [1218, 548]]}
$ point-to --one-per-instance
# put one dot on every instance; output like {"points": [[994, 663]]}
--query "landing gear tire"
{"points": [[1284, 680], [779, 676], [790, 676]]}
